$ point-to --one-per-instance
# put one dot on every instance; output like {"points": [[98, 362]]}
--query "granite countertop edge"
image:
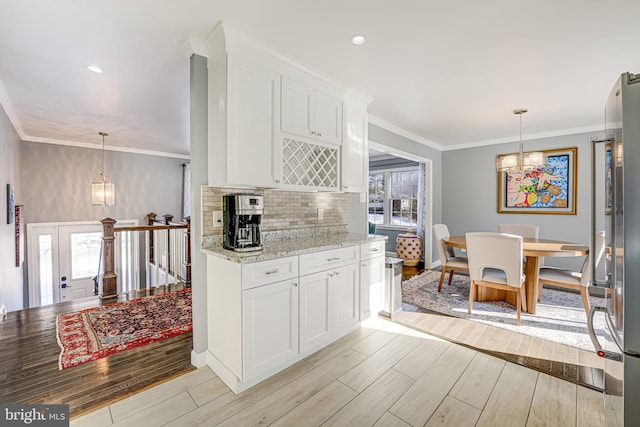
{"points": [[284, 248]]}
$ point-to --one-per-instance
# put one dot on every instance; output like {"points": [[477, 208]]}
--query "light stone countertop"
{"points": [[284, 248]]}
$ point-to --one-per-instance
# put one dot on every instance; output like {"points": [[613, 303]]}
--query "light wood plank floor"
{"points": [[383, 374]]}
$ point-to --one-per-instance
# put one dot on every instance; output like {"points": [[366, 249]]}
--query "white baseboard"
{"points": [[198, 359], [435, 264]]}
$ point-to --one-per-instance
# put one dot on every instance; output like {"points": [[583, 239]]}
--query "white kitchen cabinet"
{"points": [[346, 299], [372, 279], [276, 123], [244, 108], [316, 311], [355, 148], [329, 299], [252, 330], [270, 327], [325, 260], [266, 315], [269, 271], [310, 113]]}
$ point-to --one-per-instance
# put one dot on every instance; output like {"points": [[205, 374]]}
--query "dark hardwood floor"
{"points": [[29, 363]]}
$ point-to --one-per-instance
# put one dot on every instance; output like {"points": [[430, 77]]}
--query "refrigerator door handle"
{"points": [[607, 354]]}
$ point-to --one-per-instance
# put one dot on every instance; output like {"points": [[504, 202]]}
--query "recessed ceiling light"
{"points": [[95, 69], [358, 39]]}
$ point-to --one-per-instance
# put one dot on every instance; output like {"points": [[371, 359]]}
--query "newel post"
{"points": [[109, 288], [151, 218]]}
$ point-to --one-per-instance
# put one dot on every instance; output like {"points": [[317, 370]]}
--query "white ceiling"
{"points": [[448, 72]]}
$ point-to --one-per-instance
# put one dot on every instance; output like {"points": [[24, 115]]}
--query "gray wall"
{"points": [[56, 183], [403, 144], [199, 177], [471, 193], [11, 284]]}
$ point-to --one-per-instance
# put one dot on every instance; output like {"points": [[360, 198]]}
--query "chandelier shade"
{"points": [[103, 192], [521, 162]]}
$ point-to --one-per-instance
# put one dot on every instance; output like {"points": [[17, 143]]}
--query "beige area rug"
{"points": [[559, 317]]}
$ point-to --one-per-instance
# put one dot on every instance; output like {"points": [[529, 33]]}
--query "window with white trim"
{"points": [[393, 197]]}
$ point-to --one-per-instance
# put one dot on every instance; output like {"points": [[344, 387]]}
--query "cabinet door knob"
{"points": [[319, 134], [295, 285]]}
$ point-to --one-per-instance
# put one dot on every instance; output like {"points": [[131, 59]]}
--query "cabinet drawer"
{"points": [[324, 260], [372, 249], [273, 270]]}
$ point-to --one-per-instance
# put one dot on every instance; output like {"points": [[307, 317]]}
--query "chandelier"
{"points": [[103, 192], [521, 162]]}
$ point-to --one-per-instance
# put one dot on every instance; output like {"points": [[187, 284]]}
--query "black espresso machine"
{"points": [[242, 217]]}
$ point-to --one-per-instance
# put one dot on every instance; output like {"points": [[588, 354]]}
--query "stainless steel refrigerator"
{"points": [[616, 208]]}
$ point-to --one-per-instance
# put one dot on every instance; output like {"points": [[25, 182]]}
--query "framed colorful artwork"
{"points": [[19, 228], [10, 204], [607, 184], [548, 190]]}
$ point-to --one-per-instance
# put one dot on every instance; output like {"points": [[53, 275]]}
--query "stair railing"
{"points": [[162, 247]]}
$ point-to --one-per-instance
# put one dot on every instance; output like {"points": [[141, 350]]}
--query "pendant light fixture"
{"points": [[521, 162], [103, 191]]}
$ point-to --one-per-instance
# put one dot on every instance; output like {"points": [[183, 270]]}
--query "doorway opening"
{"points": [[402, 203]]}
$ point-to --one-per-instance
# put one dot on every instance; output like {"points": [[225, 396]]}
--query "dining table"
{"points": [[533, 249]]}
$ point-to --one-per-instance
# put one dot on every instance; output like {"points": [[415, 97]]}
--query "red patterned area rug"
{"points": [[98, 332]]}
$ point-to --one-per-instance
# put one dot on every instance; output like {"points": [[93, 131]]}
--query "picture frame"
{"points": [[10, 204], [548, 190], [19, 229], [608, 172]]}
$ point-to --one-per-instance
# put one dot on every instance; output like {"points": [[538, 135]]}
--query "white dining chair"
{"points": [[448, 259], [495, 261], [524, 230], [569, 279]]}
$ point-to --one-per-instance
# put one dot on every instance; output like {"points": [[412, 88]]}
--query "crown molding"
{"points": [[226, 37], [10, 112], [497, 141], [529, 137], [89, 145], [405, 133], [194, 46]]}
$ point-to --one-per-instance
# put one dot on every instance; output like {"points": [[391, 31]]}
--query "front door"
{"points": [[79, 260], [63, 260]]}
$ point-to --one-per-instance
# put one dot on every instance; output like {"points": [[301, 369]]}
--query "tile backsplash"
{"points": [[295, 212]]}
